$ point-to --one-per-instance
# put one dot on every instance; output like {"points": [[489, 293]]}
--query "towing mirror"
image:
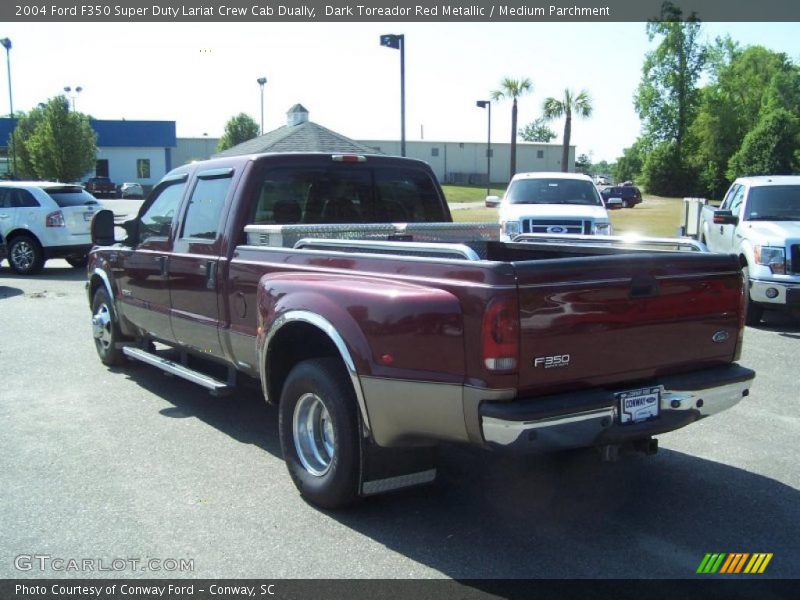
{"points": [[492, 201], [103, 228], [725, 217]]}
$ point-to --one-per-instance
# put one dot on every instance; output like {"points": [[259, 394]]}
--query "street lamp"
{"points": [[398, 42], [7, 45], [261, 81], [488, 104], [78, 90]]}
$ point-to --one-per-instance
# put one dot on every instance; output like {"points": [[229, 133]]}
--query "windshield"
{"points": [[70, 196], [553, 191], [774, 203]]}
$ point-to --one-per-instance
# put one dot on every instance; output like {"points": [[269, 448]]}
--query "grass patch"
{"points": [[469, 193], [655, 216]]}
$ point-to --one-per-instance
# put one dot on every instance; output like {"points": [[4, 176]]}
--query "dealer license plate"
{"points": [[639, 405]]}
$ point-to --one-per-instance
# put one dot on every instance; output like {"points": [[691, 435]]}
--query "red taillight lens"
{"points": [[348, 158], [55, 219], [743, 298], [500, 335]]}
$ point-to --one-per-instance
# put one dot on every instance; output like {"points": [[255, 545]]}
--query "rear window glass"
{"points": [[71, 196], [342, 194], [553, 191]]}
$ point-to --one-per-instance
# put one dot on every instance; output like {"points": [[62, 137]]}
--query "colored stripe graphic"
{"points": [[734, 563]]}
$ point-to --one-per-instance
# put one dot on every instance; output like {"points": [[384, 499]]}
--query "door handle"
{"points": [[211, 275], [162, 265], [721, 230]]}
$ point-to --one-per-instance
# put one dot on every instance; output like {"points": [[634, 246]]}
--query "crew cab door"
{"points": [[721, 237], [142, 276], [194, 269]]}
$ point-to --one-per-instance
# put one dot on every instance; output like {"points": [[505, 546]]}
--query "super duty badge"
{"points": [[551, 362]]}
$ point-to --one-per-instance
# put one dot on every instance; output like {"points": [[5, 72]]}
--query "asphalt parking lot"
{"points": [[105, 464]]}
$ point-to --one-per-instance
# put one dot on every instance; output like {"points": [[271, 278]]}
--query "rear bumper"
{"points": [[592, 418]]}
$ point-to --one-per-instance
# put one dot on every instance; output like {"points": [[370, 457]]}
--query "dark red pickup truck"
{"points": [[381, 328]]}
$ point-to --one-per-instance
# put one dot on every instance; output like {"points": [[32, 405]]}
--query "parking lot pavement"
{"points": [[127, 463]]}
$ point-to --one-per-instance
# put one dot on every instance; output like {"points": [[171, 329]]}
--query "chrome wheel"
{"points": [[22, 255], [101, 327], [313, 433]]}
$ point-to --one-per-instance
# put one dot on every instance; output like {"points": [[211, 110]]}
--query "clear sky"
{"points": [[200, 75]]}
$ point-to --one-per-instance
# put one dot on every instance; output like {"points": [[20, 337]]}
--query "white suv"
{"points": [[41, 220], [555, 203]]}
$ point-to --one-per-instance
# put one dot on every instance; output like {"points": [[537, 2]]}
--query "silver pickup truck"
{"points": [[759, 221]]}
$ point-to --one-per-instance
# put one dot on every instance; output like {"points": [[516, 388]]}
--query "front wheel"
{"points": [[105, 329], [319, 431]]}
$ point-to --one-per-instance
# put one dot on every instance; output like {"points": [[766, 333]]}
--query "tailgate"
{"points": [[78, 219], [605, 320]]}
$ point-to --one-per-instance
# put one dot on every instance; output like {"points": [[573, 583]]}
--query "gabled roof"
{"points": [[305, 137]]}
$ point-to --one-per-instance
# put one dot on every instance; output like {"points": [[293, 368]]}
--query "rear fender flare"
{"points": [[326, 327]]}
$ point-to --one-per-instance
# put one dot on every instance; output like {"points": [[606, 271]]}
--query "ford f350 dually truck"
{"points": [[759, 221], [382, 329]]}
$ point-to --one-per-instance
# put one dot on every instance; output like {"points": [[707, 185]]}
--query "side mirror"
{"points": [[725, 217], [492, 201], [103, 228]]}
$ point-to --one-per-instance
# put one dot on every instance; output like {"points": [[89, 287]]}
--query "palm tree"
{"points": [[513, 88], [554, 108]]}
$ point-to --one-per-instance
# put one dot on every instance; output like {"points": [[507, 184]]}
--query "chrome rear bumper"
{"points": [[589, 419]]}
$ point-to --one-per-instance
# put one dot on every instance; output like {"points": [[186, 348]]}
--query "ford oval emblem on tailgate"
{"points": [[719, 337]]}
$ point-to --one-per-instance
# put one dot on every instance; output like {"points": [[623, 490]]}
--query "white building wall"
{"points": [[451, 160], [122, 164], [191, 149]]}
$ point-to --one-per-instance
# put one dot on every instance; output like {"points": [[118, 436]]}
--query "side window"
{"points": [[156, 222], [726, 202], [24, 199], [5, 198], [736, 201], [205, 207]]}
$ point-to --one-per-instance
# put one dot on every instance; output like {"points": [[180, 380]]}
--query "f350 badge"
{"points": [[551, 362]]}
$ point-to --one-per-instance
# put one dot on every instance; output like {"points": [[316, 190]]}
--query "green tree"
{"points": [[771, 148], [667, 96], [238, 129], [53, 142], [554, 108], [629, 166], [537, 131], [513, 89], [583, 164]]}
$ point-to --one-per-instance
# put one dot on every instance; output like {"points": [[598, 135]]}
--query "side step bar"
{"points": [[215, 386]]}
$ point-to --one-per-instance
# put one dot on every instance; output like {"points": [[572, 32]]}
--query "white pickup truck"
{"points": [[552, 203], [759, 220]]}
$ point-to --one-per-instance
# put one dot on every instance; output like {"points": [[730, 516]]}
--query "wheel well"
{"points": [[95, 283], [18, 232], [742, 261], [296, 342]]}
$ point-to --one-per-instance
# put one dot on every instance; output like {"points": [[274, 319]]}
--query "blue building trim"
{"points": [[117, 134]]}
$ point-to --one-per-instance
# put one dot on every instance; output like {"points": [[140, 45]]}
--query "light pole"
{"points": [[7, 45], [488, 104], [398, 42], [78, 90], [261, 81]]}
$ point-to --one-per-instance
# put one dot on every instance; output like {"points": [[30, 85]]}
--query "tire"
{"points": [[319, 431], [77, 262], [25, 255], [105, 329], [753, 312]]}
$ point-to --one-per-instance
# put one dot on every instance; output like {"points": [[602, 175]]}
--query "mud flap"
{"points": [[388, 469]]}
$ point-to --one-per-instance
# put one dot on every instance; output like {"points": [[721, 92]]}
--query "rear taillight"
{"points": [[500, 335], [55, 219]]}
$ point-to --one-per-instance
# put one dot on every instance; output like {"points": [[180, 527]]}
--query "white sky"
{"points": [[200, 75]]}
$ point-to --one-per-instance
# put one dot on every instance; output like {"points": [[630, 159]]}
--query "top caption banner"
{"points": [[389, 11]]}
